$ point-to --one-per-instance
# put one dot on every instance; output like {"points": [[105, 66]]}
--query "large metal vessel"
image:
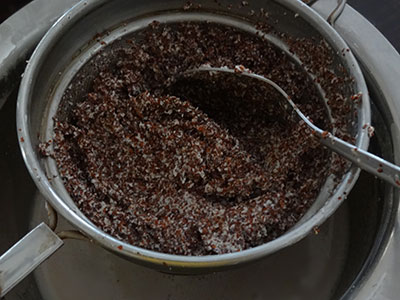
{"points": [[355, 236]]}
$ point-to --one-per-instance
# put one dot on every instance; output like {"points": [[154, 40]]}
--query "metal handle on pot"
{"points": [[21, 259], [33, 249]]}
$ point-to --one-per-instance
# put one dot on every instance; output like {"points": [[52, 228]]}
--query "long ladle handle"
{"points": [[363, 159]]}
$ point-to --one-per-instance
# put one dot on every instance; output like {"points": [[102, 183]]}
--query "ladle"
{"points": [[363, 159]]}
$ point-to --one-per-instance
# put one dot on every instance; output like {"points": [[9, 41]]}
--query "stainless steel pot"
{"points": [[69, 44]]}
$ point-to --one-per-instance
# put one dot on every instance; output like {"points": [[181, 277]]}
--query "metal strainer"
{"points": [[69, 45]]}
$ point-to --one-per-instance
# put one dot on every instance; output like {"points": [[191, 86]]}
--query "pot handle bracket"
{"points": [[325, 8], [33, 249], [66, 234]]}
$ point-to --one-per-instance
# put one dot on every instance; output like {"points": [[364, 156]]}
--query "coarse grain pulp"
{"points": [[195, 166]]}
